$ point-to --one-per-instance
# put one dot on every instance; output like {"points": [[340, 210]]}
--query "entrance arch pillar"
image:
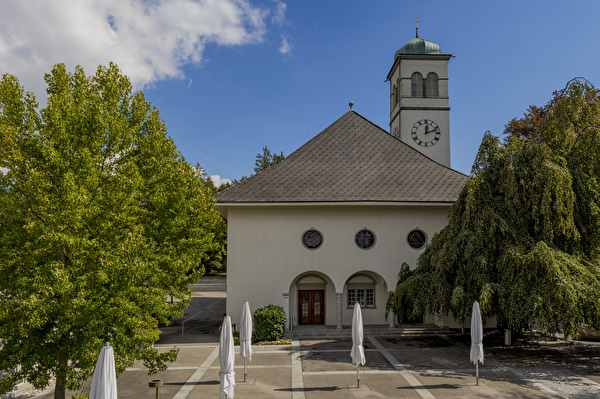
{"points": [[286, 299], [392, 319], [339, 310]]}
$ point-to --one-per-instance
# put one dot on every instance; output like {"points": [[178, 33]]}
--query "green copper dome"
{"points": [[418, 46]]}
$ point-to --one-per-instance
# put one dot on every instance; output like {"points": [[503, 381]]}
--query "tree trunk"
{"points": [[60, 389]]}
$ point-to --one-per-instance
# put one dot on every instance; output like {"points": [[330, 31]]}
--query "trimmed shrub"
{"points": [[269, 323]]}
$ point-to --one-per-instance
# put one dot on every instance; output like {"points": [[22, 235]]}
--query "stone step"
{"points": [[305, 332]]}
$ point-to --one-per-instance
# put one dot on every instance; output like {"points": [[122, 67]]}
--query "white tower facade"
{"points": [[419, 102]]}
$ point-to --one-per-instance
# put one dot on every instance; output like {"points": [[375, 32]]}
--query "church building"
{"points": [[331, 224]]}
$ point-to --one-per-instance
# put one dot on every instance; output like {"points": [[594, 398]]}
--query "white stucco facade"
{"points": [[268, 264]]}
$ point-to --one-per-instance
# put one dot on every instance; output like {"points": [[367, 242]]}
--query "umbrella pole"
{"points": [[244, 369], [358, 375], [477, 372]]}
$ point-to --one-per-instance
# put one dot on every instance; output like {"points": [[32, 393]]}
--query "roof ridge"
{"points": [[353, 159]]}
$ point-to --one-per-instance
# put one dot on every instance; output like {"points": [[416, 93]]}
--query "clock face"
{"points": [[425, 133]]}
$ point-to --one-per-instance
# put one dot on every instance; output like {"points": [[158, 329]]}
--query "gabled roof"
{"points": [[351, 160]]}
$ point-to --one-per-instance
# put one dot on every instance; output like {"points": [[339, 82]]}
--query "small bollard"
{"points": [[507, 337], [182, 329], [155, 384]]}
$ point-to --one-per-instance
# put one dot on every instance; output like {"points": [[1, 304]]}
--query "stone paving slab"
{"points": [[265, 359], [189, 355], [460, 384], [271, 382], [424, 342], [134, 384], [344, 386], [592, 377], [438, 358], [561, 382], [329, 344], [341, 361]]}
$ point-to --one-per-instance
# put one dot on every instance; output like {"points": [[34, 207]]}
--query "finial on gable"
{"points": [[350, 104]]}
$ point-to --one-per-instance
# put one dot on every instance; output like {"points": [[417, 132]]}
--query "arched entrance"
{"points": [[311, 302], [370, 290]]}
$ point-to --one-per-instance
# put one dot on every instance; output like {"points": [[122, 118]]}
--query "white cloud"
{"points": [[279, 13], [286, 47], [219, 181], [149, 40]]}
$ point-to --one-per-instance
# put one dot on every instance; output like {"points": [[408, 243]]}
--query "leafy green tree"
{"points": [[101, 220], [216, 259], [266, 159], [524, 236]]}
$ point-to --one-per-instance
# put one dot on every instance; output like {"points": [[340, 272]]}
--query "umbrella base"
{"points": [[363, 387]]}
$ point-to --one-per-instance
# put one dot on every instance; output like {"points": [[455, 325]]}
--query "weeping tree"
{"points": [[524, 235], [101, 220]]}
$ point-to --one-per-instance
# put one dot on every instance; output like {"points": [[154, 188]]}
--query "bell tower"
{"points": [[419, 103]]}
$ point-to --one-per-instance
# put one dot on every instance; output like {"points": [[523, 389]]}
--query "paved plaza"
{"points": [[424, 366], [413, 367]]}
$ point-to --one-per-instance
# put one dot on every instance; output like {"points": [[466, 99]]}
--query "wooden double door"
{"points": [[311, 307]]}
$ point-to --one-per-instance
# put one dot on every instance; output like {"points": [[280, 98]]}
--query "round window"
{"points": [[312, 239], [416, 239], [365, 239]]}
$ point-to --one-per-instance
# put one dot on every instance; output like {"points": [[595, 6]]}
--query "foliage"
{"points": [[269, 323], [529, 125], [401, 302], [263, 161], [215, 260], [101, 220], [266, 159], [524, 235]]}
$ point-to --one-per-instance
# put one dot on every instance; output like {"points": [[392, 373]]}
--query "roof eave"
{"points": [[226, 204], [417, 57]]}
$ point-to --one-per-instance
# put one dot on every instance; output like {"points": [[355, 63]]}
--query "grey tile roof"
{"points": [[351, 160]]}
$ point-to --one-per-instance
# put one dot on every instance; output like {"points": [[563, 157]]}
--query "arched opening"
{"points": [[370, 290], [416, 84], [312, 299], [431, 85]]}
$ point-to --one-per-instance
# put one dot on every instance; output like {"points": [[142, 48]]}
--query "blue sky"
{"points": [[232, 76]]}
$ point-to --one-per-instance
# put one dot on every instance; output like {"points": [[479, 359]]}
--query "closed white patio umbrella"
{"points": [[358, 352], [246, 335], [226, 357], [476, 338], [104, 382]]}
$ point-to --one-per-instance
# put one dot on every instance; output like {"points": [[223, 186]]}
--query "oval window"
{"points": [[312, 239]]}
